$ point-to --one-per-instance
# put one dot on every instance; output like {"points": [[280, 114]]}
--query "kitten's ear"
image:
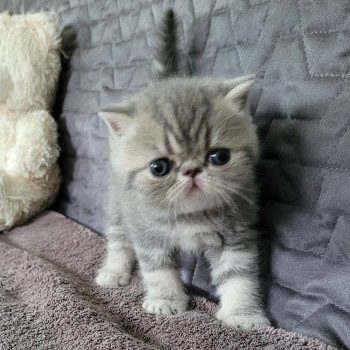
{"points": [[238, 90], [117, 117]]}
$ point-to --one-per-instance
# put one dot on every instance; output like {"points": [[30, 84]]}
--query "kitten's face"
{"points": [[188, 146]]}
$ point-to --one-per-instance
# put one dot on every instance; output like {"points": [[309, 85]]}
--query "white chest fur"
{"points": [[194, 237]]}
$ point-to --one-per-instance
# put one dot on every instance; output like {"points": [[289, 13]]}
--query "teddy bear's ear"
{"points": [[6, 83], [117, 117], [45, 27]]}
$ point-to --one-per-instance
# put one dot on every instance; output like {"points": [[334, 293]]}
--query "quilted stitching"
{"points": [[301, 105]]}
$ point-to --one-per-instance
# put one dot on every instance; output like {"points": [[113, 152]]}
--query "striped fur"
{"points": [[152, 218]]}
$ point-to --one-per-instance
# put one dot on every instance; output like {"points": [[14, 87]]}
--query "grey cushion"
{"points": [[301, 105]]}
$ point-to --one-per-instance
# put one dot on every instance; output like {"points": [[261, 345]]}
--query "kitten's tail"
{"points": [[166, 60]]}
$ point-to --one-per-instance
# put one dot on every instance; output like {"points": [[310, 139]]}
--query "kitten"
{"points": [[183, 153]]}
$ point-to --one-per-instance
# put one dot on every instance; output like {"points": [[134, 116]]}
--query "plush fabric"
{"points": [[301, 104], [29, 69], [48, 300]]}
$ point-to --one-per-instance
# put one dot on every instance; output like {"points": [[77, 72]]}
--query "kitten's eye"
{"points": [[160, 167], [218, 156]]}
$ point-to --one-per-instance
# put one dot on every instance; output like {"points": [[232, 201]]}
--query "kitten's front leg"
{"points": [[165, 294], [233, 272], [117, 267]]}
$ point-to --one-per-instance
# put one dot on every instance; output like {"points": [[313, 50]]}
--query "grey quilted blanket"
{"points": [[301, 104]]}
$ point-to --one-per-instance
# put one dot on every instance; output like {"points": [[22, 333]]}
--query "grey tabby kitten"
{"points": [[183, 153]]}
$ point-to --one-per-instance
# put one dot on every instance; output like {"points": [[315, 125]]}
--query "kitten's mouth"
{"points": [[192, 187]]}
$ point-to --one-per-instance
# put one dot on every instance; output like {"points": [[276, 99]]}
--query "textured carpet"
{"points": [[48, 300]]}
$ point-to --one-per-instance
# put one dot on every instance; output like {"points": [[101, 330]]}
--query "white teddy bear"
{"points": [[29, 70]]}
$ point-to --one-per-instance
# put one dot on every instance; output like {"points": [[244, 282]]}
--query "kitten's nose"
{"points": [[192, 172]]}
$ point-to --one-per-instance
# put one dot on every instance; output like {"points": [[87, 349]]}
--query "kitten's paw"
{"points": [[164, 306], [109, 279], [244, 322]]}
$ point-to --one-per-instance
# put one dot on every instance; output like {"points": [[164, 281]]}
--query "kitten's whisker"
{"points": [[224, 130], [243, 188], [229, 117], [239, 191], [220, 191], [233, 187]]}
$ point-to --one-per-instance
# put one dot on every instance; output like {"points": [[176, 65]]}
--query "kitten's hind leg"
{"points": [[117, 267]]}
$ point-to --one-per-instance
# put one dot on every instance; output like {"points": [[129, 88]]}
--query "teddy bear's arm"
{"points": [[36, 148]]}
